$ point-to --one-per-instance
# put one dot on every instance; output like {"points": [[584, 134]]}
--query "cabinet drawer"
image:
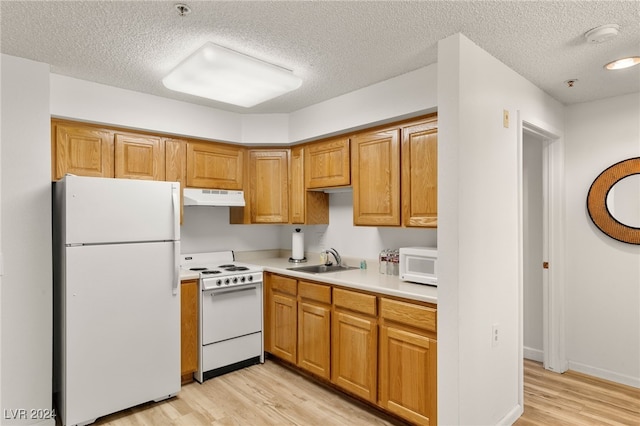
{"points": [[409, 314], [317, 292], [283, 284], [358, 302]]}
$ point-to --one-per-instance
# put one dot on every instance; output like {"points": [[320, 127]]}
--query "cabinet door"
{"points": [[314, 328], [354, 343], [305, 207], [215, 166], [354, 354], [188, 329], [176, 166], [327, 163], [82, 151], [269, 186], [420, 174], [284, 326], [376, 178], [408, 374], [139, 157]]}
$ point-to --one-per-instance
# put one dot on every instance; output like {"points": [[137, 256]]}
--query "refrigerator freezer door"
{"points": [[101, 210], [122, 329]]}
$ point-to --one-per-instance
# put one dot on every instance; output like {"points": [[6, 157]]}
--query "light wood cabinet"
{"points": [[375, 169], [420, 174], [327, 163], [378, 348], [354, 346], [176, 166], [314, 328], [81, 150], [188, 329], [305, 207], [139, 157], [269, 186], [281, 319], [215, 166], [408, 361]]}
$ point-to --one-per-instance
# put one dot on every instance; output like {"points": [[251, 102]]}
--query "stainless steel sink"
{"points": [[321, 269]]}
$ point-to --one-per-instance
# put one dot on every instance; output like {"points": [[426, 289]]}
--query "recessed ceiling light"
{"points": [[602, 33], [623, 63], [224, 75]]}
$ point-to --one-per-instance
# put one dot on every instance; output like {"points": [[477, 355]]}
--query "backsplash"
{"points": [[208, 229]]}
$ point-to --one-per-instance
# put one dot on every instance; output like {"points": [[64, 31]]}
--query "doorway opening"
{"points": [[541, 248]]}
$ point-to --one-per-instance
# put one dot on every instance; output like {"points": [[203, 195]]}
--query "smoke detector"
{"points": [[602, 33]]}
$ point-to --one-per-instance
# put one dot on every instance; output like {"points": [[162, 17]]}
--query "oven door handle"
{"points": [[232, 290]]}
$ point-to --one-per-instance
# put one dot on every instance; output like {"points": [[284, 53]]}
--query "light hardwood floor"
{"points": [[268, 394], [271, 394], [576, 399]]}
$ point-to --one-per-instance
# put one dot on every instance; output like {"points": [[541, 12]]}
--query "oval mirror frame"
{"points": [[597, 201]]}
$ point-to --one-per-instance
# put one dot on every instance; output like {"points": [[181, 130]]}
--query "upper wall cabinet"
{"points": [[420, 174], [327, 163], [305, 207], [215, 166], [375, 166], [267, 195], [269, 186], [81, 150], [139, 157]]}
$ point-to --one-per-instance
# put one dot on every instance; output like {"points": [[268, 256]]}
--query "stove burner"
{"points": [[197, 269], [227, 265], [211, 272], [232, 268]]}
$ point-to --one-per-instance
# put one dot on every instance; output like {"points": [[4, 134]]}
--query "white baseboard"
{"points": [[513, 415], [605, 374], [533, 354]]}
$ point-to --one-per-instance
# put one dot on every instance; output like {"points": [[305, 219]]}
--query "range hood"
{"points": [[213, 197]]}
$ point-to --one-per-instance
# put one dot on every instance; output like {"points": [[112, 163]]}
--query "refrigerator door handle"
{"points": [[175, 197], [176, 266]]}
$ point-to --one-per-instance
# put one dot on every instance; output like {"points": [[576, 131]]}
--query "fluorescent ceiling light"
{"points": [[623, 63], [224, 75]]}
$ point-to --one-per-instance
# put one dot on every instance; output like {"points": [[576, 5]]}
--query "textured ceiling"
{"points": [[335, 46]]}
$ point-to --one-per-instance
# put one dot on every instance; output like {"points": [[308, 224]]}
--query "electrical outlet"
{"points": [[505, 118], [495, 335]]}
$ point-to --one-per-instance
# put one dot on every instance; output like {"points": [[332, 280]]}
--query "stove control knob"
{"points": [[250, 278], [226, 281], [219, 283], [235, 280], [242, 279]]}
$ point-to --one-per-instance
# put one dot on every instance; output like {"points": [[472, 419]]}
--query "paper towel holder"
{"points": [[291, 259]]}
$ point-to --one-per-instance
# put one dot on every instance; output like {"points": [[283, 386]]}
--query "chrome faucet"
{"points": [[336, 256]]}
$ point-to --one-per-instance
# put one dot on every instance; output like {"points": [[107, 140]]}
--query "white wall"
{"points": [[363, 242], [478, 231], [532, 248], [407, 95], [25, 177], [207, 229], [87, 101], [603, 275], [389, 100]]}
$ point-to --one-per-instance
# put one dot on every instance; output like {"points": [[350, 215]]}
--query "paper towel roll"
{"points": [[297, 245]]}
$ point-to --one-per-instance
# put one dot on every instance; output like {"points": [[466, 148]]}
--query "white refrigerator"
{"points": [[116, 299]]}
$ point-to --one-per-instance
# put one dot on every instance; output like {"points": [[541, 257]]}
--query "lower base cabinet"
{"points": [[188, 329], [354, 344], [408, 352], [380, 349], [314, 328]]}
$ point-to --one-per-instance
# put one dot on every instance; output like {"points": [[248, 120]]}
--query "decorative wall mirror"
{"points": [[613, 201]]}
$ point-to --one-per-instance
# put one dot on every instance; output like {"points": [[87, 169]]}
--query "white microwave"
{"points": [[419, 265]]}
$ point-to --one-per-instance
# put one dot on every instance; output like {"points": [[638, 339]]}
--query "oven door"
{"points": [[231, 312]]}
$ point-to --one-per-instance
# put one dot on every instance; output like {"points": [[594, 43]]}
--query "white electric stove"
{"points": [[231, 313]]}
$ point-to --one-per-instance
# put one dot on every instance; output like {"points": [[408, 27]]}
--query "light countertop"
{"points": [[361, 279]]}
